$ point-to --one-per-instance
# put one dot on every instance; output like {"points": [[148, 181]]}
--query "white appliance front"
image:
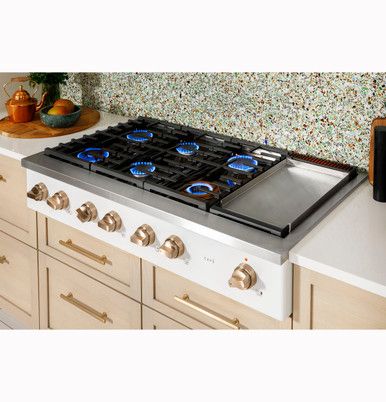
{"points": [[205, 261]]}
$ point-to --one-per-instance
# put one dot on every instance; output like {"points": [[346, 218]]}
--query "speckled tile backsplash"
{"points": [[324, 114]]}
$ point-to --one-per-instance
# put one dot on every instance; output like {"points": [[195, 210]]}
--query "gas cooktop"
{"points": [[234, 178]]}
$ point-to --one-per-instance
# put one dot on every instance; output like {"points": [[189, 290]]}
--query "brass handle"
{"points": [[99, 259], [185, 300], [3, 259], [2, 178], [18, 79], [84, 307]]}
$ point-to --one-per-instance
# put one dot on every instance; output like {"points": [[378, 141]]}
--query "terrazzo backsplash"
{"points": [[323, 114]]}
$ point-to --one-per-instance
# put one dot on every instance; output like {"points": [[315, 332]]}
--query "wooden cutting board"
{"points": [[379, 121], [36, 129]]}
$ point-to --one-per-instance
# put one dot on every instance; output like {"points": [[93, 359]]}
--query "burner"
{"points": [[231, 183], [201, 189], [141, 169], [243, 163], [93, 155], [140, 135], [187, 148]]}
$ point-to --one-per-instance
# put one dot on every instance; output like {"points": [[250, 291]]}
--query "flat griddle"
{"points": [[281, 198]]}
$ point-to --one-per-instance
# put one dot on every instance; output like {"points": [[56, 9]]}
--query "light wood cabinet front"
{"points": [[151, 319], [15, 218], [71, 300], [197, 307], [321, 302], [110, 265], [19, 280]]}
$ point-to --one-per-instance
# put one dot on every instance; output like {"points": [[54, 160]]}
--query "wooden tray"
{"points": [[36, 129]]}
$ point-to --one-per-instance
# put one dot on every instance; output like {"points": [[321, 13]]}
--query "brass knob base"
{"points": [[144, 236], [58, 201], [111, 222], [87, 212], [243, 277], [173, 247], [38, 192]]}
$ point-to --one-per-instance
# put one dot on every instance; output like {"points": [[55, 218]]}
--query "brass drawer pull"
{"points": [[84, 307], [2, 178], [3, 259], [185, 300], [99, 259]]}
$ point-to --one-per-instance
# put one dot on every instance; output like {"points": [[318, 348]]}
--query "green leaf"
{"points": [[47, 78]]}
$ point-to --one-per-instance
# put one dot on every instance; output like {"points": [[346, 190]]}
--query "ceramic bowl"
{"points": [[59, 121]]}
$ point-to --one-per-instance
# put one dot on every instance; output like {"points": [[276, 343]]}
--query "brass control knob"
{"points": [[87, 212], [111, 222], [143, 236], [58, 201], [173, 247], [38, 192], [243, 277]]}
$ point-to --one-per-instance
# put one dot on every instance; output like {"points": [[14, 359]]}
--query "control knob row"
{"points": [[144, 236]]}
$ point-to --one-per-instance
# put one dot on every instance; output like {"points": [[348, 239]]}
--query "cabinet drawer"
{"points": [[153, 320], [15, 218], [110, 265], [196, 306], [72, 300], [18, 280]]}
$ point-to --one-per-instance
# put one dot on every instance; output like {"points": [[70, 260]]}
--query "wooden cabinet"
{"points": [[15, 218], [151, 319], [5, 326], [107, 264], [19, 280], [321, 302], [70, 299], [197, 307]]}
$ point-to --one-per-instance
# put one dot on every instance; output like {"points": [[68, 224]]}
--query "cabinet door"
{"points": [[105, 263], [5, 326], [321, 302], [19, 280], [151, 319], [198, 307], [72, 300], [15, 218]]}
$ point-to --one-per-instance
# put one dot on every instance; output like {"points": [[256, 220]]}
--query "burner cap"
{"points": [[140, 135], [141, 169], [93, 155], [201, 189], [187, 148], [243, 163]]}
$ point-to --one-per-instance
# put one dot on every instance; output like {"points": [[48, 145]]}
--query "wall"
{"points": [[324, 114]]}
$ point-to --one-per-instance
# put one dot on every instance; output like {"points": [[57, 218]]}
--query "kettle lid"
{"points": [[20, 97]]}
